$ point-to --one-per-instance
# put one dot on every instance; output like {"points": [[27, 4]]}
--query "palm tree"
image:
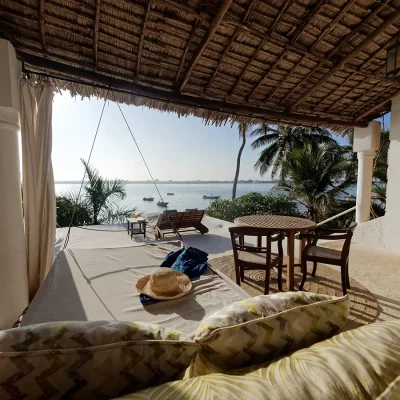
{"points": [[315, 176], [243, 130], [102, 194], [277, 142]]}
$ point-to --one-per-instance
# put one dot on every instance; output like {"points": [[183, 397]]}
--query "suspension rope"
{"points": [[84, 175], [174, 228]]}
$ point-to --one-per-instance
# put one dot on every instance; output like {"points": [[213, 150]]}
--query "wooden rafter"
{"points": [[84, 76], [286, 78], [96, 31], [266, 75], [314, 10], [360, 97], [183, 8], [333, 23], [253, 57], [286, 5], [366, 74], [393, 18], [214, 24], [188, 44], [139, 54], [376, 106], [41, 22], [358, 28], [231, 40], [344, 41], [351, 76]]}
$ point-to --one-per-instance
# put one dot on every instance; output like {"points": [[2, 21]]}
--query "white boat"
{"points": [[211, 196]]}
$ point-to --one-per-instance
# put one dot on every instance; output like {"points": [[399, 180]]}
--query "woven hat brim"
{"points": [[184, 287]]}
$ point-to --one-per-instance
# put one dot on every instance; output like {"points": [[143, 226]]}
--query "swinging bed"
{"points": [[89, 284]]}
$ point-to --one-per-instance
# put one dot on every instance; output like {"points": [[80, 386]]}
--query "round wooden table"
{"points": [[279, 223]]}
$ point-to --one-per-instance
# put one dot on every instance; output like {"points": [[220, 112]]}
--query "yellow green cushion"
{"points": [[89, 360], [261, 328], [359, 364]]}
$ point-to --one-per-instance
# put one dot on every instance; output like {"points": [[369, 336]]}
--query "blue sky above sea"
{"points": [[174, 148]]}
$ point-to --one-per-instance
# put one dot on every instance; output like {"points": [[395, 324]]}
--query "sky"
{"points": [[174, 148]]}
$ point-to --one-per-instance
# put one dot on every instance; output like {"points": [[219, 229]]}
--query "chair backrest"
{"points": [[347, 242], [180, 219], [238, 234]]}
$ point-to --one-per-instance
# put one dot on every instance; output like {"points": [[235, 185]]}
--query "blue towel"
{"points": [[190, 261]]}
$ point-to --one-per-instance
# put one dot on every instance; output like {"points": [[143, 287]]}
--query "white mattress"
{"points": [[99, 284]]}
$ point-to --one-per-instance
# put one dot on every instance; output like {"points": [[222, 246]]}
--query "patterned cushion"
{"points": [[257, 329], [318, 251], [258, 258], [360, 364], [89, 360]]}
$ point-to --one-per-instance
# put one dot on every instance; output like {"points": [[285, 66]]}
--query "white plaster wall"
{"points": [[391, 229]]}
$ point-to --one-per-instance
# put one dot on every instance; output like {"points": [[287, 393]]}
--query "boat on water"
{"points": [[148, 198], [162, 203], [170, 194], [211, 196]]}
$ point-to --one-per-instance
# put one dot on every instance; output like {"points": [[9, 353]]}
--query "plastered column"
{"points": [[366, 142], [13, 273]]}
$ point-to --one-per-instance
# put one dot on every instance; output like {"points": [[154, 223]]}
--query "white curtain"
{"points": [[38, 181]]}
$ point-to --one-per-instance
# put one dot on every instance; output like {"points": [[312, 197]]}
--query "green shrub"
{"points": [[65, 209], [251, 204]]}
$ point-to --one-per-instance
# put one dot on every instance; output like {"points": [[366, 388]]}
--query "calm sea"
{"points": [[185, 195]]}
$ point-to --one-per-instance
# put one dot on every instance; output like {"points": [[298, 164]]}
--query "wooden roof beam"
{"points": [[183, 8], [377, 106], [266, 75], [286, 5], [333, 23], [214, 24], [360, 98], [85, 76], [231, 40], [359, 27], [96, 31], [41, 23], [393, 18], [187, 47], [314, 10], [139, 55], [268, 97]]}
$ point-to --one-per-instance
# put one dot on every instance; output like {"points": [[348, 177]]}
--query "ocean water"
{"points": [[185, 195]]}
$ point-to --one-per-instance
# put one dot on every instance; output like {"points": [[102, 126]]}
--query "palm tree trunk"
{"points": [[238, 166]]}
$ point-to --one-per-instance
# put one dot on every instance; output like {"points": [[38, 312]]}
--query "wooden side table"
{"points": [[141, 229]]}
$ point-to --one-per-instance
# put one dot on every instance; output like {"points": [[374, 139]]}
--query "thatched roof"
{"points": [[294, 61]]}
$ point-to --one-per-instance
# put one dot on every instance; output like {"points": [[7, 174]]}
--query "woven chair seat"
{"points": [[324, 252], [257, 258]]}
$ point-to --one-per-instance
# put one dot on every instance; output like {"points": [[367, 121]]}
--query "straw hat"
{"points": [[164, 284]]}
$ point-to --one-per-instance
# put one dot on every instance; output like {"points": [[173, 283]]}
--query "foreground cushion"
{"points": [[261, 328], [89, 360], [360, 364]]}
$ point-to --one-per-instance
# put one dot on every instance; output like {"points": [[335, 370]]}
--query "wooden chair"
{"points": [[183, 222], [325, 255], [249, 257]]}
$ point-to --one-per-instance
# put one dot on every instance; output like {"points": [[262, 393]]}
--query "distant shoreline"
{"points": [[173, 182]]}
